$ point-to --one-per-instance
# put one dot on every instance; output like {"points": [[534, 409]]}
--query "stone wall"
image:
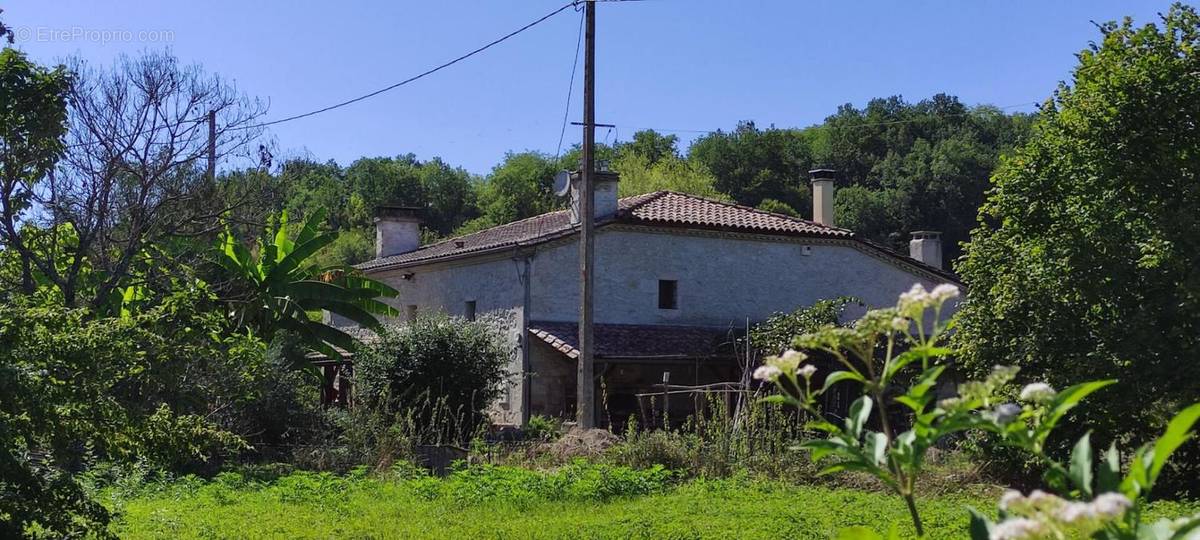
{"points": [[723, 279]]}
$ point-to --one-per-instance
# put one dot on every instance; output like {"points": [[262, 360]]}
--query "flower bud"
{"points": [[1037, 393], [1007, 412]]}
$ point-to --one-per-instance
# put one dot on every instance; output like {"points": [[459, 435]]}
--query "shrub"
{"points": [[542, 428], [1084, 264], [775, 334], [671, 449], [431, 368], [1093, 500], [168, 388]]}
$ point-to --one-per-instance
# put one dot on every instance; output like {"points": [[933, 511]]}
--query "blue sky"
{"points": [[665, 64]]}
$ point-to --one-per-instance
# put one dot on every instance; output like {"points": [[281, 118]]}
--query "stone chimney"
{"points": [[822, 195], [605, 197], [926, 246], [397, 230]]}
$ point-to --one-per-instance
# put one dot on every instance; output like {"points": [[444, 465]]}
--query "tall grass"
{"points": [[377, 437], [718, 442]]}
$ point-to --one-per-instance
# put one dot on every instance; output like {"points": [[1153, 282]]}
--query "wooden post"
{"points": [[586, 381], [667, 399]]}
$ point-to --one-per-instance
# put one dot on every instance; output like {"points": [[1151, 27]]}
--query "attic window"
{"points": [[668, 294]]}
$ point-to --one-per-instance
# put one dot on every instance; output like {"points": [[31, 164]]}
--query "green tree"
{"points": [[651, 145], [33, 121], [921, 166], [1086, 263], [522, 186], [384, 180], [752, 164], [308, 186], [778, 207], [641, 175], [450, 196]]}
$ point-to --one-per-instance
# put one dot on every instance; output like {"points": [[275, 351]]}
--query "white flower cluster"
{"points": [[913, 302], [787, 363], [1038, 393], [767, 373], [1017, 528], [1043, 515]]}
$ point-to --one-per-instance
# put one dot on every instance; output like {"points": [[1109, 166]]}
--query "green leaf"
{"points": [[919, 352], [131, 294], [1108, 474], [1080, 470], [819, 449], [297, 255], [1138, 479], [839, 376], [777, 398], [312, 226], [913, 403], [878, 447], [860, 411], [822, 426], [918, 395], [1179, 430], [343, 309], [351, 280], [981, 526], [319, 290], [376, 307], [236, 258], [282, 245]]}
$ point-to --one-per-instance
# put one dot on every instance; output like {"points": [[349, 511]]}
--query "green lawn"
{"points": [[507, 503]]}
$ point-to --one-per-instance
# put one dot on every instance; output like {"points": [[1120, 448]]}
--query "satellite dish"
{"points": [[562, 183]]}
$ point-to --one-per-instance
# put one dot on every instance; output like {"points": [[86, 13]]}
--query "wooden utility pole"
{"points": [[586, 402], [212, 145]]}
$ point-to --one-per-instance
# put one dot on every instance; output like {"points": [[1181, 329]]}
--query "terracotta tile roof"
{"points": [[638, 340], [665, 208], [671, 208]]}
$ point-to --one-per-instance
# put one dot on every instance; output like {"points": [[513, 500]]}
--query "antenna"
{"points": [[562, 183]]}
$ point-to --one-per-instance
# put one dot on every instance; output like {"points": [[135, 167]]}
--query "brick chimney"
{"points": [[605, 197], [926, 247], [822, 195], [397, 230]]}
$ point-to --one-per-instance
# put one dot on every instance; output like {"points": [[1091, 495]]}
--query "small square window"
{"points": [[469, 310], [668, 294]]}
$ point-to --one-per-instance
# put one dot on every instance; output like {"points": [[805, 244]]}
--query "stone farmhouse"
{"points": [[676, 278]]}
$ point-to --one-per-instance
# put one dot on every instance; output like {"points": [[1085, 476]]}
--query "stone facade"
{"points": [[723, 279]]}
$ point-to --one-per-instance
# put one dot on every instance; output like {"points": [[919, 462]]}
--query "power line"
{"points": [[377, 92], [420, 75], [570, 90]]}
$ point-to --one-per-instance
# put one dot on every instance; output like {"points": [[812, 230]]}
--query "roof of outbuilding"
{"points": [[657, 208], [633, 341]]}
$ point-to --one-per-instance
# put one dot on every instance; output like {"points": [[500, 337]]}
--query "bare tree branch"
{"points": [[133, 171]]}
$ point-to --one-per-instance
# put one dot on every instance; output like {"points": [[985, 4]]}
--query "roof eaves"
{"points": [[945, 274]]}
